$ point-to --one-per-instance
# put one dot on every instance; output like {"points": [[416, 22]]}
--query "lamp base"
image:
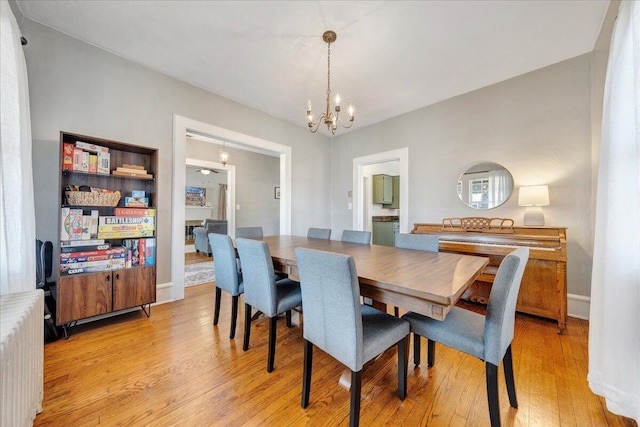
{"points": [[533, 216]]}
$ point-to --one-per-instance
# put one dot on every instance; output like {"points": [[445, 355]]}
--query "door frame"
{"points": [[182, 125], [401, 155]]}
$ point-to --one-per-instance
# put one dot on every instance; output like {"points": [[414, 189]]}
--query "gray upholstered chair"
{"points": [[353, 236], [486, 337], [319, 233], [263, 292], [336, 322], [201, 242], [418, 242], [249, 233], [228, 276]]}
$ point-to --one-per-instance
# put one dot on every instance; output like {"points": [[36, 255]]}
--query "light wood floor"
{"points": [[176, 368]]}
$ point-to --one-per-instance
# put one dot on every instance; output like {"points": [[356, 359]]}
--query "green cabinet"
{"points": [[385, 232], [382, 189], [395, 194]]}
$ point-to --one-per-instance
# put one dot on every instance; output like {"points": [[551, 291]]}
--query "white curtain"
{"points": [[501, 186], [614, 330], [222, 202], [17, 212]]}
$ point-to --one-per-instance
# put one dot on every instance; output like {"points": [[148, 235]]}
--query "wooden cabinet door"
{"points": [[133, 287], [382, 189], [395, 194], [82, 296]]}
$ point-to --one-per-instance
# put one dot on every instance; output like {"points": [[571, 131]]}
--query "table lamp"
{"points": [[533, 197]]}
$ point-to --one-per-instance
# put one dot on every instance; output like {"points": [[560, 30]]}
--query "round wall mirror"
{"points": [[485, 186]]}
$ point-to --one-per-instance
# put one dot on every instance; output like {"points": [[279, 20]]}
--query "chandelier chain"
{"points": [[329, 70]]}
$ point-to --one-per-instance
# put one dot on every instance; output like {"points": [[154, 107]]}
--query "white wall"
{"points": [[80, 88], [536, 125]]}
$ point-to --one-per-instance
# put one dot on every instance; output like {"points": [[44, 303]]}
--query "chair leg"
{"points": [[288, 317], [306, 373], [431, 353], [492, 394], [396, 311], [216, 311], [356, 387], [272, 343], [508, 377], [234, 316], [403, 362], [416, 350], [247, 326]]}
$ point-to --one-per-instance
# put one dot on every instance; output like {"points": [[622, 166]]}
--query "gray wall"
{"points": [[256, 177], [536, 125], [79, 88]]}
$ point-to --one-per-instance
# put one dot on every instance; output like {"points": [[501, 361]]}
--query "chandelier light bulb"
{"points": [[337, 99], [309, 105], [350, 110]]}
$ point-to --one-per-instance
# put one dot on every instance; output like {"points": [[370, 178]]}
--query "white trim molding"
{"points": [[402, 155], [578, 306], [182, 125]]}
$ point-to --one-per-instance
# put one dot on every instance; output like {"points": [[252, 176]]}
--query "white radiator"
{"points": [[21, 357]]}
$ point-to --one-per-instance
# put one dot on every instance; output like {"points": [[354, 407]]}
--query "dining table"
{"points": [[428, 283]]}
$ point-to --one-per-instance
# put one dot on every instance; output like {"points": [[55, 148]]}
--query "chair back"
{"points": [[353, 236], [224, 263], [501, 309], [44, 262], [418, 242], [319, 233], [258, 275], [249, 232], [331, 303]]}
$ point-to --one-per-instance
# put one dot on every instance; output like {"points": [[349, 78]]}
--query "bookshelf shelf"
{"points": [[113, 267]]}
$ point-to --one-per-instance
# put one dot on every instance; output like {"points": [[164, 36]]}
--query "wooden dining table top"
{"points": [[429, 283]]}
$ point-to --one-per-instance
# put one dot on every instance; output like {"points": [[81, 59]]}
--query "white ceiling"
{"points": [[390, 57]]}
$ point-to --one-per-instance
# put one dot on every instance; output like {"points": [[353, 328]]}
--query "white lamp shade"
{"points": [[535, 195]]}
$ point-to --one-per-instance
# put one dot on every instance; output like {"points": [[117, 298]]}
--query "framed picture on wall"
{"points": [[276, 192], [195, 196]]}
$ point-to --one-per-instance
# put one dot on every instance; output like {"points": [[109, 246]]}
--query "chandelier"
{"points": [[224, 155], [328, 117]]}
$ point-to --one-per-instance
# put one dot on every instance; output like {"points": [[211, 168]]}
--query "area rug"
{"points": [[199, 273]]}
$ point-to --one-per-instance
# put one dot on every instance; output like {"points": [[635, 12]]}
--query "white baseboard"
{"points": [[578, 306], [164, 293]]}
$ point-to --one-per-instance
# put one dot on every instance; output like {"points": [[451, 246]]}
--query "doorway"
{"points": [[181, 126], [401, 156]]}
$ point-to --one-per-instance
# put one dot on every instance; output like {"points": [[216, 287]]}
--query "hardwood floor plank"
{"points": [[176, 368]]}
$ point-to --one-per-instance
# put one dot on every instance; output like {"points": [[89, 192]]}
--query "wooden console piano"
{"points": [[544, 284]]}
